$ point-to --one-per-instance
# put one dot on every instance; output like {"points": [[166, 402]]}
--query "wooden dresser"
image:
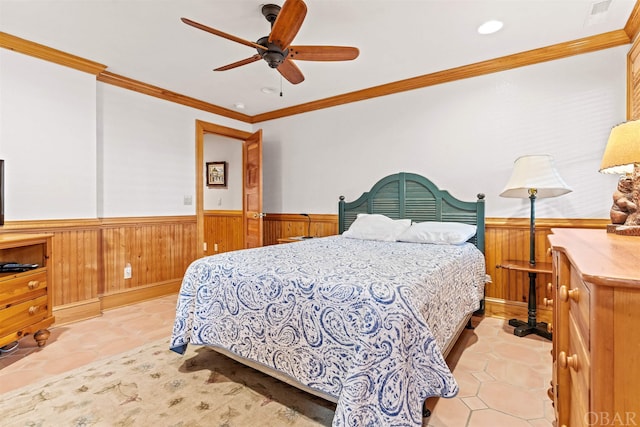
{"points": [[596, 328], [25, 300]]}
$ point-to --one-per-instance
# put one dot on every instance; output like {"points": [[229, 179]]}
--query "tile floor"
{"points": [[503, 379]]}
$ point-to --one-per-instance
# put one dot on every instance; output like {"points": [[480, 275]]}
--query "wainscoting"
{"points": [[89, 256]]}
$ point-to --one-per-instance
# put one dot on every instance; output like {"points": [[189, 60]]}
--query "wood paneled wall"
{"points": [[88, 259], [278, 225], [88, 256], [223, 231]]}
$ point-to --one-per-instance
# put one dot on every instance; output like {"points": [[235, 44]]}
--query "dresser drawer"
{"points": [[23, 314], [22, 287], [576, 360], [578, 296]]}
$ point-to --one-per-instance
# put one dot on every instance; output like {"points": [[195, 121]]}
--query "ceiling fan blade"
{"points": [[222, 34], [291, 72], [288, 23], [323, 53], [246, 61]]}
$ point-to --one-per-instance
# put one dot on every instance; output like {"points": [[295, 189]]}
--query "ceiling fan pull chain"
{"points": [[280, 86]]}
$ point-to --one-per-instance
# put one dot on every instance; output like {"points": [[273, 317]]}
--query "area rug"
{"points": [[153, 386]]}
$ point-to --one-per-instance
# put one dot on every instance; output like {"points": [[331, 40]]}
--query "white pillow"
{"points": [[442, 233], [377, 227]]}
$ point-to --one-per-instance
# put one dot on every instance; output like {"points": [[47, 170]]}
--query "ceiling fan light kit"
{"points": [[276, 48]]}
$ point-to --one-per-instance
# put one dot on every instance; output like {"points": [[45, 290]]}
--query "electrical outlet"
{"points": [[127, 271], [204, 246], [215, 247]]}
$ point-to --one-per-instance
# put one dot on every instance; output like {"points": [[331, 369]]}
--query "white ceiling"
{"points": [[145, 40]]}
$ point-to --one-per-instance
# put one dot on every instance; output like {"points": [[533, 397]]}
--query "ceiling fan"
{"points": [[276, 48]]}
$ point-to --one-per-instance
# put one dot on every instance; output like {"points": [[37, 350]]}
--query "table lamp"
{"points": [[533, 176], [308, 236], [622, 156]]}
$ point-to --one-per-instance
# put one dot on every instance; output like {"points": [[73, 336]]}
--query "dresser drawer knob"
{"points": [[568, 361], [565, 294], [34, 309], [549, 287], [547, 302], [33, 284]]}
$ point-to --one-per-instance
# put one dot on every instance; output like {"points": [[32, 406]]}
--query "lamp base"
{"points": [[611, 228], [628, 230], [523, 328]]}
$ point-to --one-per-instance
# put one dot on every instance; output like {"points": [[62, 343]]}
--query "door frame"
{"points": [[203, 128]]}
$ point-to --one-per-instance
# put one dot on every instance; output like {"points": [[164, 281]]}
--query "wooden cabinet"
{"points": [[596, 338], [25, 301]]}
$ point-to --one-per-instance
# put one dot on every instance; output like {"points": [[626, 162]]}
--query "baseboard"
{"points": [[503, 309], [132, 296], [70, 313]]}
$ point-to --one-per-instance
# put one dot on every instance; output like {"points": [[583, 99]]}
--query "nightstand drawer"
{"points": [[17, 316], [22, 287]]}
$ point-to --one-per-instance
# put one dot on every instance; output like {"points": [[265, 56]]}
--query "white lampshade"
{"points": [[623, 149], [535, 172]]}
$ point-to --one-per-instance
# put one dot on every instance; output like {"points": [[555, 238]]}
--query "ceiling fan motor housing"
{"points": [[270, 11], [274, 55]]}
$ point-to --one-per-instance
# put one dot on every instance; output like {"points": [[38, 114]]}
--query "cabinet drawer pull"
{"points": [[547, 302], [568, 361], [565, 294], [549, 287], [34, 309], [33, 284]]}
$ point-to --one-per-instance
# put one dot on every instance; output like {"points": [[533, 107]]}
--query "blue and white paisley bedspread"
{"points": [[360, 320]]}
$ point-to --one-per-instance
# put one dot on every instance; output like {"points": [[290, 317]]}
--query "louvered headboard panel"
{"points": [[407, 195]]}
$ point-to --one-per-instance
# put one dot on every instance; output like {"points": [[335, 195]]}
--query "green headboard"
{"points": [[407, 195]]}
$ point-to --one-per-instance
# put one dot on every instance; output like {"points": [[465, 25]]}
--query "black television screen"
{"points": [[1, 192]]}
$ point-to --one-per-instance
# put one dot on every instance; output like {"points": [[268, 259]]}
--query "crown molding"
{"points": [[46, 53], [158, 92], [504, 63]]}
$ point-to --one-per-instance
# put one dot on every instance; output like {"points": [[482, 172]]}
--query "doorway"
{"points": [[251, 182]]}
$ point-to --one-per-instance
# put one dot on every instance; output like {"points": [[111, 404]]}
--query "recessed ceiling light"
{"points": [[268, 90], [490, 27], [239, 105]]}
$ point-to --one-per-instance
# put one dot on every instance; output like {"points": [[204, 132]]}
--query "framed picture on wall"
{"points": [[216, 174]]}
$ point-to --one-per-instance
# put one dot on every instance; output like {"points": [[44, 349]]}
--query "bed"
{"points": [[364, 323]]}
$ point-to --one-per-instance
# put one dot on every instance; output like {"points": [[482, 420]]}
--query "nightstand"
{"points": [[531, 326]]}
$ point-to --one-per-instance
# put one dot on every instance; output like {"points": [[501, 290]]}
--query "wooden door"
{"points": [[252, 180]]}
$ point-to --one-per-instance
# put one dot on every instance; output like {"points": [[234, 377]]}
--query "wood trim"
{"points": [[535, 56], [297, 217], [203, 128], [167, 95], [140, 220], [633, 23], [547, 223], [503, 309], [132, 296], [69, 313], [633, 81], [36, 50], [49, 224], [222, 213], [46, 53]]}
